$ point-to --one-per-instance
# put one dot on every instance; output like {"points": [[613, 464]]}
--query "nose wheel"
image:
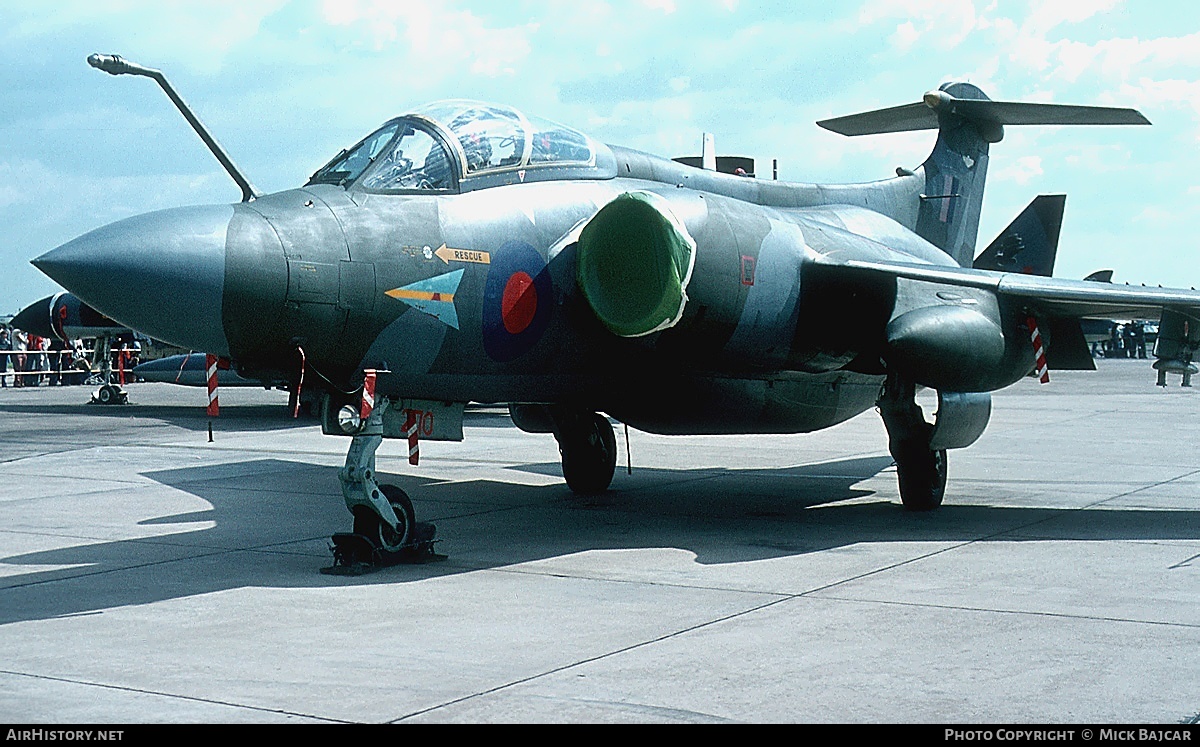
{"points": [[381, 534]]}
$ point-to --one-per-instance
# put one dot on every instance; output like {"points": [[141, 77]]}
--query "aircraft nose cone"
{"points": [[162, 274], [35, 318]]}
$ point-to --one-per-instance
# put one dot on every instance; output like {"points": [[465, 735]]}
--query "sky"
{"points": [[284, 85]]}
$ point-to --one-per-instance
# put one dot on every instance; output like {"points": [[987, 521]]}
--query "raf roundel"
{"points": [[516, 301]]}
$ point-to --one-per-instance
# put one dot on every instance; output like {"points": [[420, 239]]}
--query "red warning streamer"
{"points": [[368, 394], [1039, 350], [412, 424], [295, 398], [214, 407]]}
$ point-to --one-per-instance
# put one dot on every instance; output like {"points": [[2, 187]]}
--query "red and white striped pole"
{"points": [[214, 407], [1039, 350], [368, 395], [412, 424]]}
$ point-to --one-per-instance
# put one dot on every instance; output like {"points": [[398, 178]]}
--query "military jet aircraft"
{"points": [[64, 317], [468, 252]]}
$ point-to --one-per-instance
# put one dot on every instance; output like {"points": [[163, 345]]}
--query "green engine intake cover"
{"points": [[634, 263]]}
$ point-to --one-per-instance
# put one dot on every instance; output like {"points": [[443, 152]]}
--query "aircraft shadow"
{"points": [[720, 515]]}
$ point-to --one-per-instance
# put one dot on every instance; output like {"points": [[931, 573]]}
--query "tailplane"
{"points": [[967, 122]]}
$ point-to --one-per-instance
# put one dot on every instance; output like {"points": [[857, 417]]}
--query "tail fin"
{"points": [[967, 122], [1030, 242]]}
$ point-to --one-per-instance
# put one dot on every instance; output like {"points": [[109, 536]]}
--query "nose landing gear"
{"points": [[385, 530]]}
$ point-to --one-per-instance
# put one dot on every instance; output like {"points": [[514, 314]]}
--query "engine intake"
{"points": [[635, 261]]}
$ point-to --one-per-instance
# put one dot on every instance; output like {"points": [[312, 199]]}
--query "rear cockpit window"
{"points": [[554, 143]]}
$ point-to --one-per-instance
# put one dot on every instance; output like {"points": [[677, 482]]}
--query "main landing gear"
{"points": [[385, 531], [921, 469], [588, 448]]}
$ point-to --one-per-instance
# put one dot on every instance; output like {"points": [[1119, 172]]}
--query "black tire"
{"points": [[106, 395], [368, 524], [589, 457], [922, 476]]}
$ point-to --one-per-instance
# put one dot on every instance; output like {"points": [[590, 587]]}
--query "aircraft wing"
{"points": [[1055, 296]]}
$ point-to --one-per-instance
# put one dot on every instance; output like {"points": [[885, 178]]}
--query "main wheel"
{"points": [[107, 395], [922, 476], [589, 456], [368, 524]]}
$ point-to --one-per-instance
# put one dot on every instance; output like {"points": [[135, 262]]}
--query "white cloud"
{"points": [[1021, 171], [196, 35], [1046, 16], [1148, 92], [666, 6], [1155, 215], [458, 40], [905, 36], [939, 24]]}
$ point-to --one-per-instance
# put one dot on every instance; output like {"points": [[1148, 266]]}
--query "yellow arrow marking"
{"points": [[446, 254]]}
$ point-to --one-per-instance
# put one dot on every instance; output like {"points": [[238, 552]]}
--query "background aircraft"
{"points": [[470, 252], [62, 319], [65, 318]]}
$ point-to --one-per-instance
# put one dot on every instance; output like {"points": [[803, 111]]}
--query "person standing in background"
{"points": [[33, 359], [5, 346], [18, 357]]}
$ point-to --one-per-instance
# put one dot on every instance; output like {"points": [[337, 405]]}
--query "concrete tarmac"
{"points": [[149, 576]]}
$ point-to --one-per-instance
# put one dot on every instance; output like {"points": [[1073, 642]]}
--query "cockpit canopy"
{"points": [[443, 145]]}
